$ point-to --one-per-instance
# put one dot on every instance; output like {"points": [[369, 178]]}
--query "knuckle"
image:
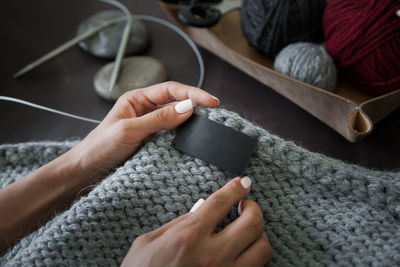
{"points": [[217, 200], [162, 114], [121, 100], [138, 97], [235, 187], [255, 224], [142, 239], [255, 208], [126, 97], [171, 84], [130, 97], [186, 237]]}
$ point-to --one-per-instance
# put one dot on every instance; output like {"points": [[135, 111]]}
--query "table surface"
{"points": [[29, 29]]}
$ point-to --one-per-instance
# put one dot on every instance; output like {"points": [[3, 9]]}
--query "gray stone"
{"points": [[105, 43], [135, 72]]}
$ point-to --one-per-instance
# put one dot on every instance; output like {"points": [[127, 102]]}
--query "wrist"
{"points": [[83, 163], [72, 170], [64, 174]]}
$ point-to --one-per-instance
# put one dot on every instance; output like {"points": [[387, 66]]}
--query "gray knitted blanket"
{"points": [[317, 210]]}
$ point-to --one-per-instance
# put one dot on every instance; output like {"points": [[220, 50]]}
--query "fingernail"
{"points": [[184, 106], [240, 207], [216, 99], [197, 205], [246, 182]]}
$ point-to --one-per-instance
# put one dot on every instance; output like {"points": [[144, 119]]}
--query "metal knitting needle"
{"points": [[123, 43], [64, 47]]}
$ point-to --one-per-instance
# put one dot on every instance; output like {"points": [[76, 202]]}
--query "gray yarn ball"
{"points": [[309, 63], [270, 25]]}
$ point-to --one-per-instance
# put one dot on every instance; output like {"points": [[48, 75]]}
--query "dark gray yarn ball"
{"points": [[270, 25], [309, 63]]}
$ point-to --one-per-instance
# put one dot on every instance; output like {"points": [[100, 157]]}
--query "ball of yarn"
{"points": [[270, 25], [363, 36], [309, 63]]}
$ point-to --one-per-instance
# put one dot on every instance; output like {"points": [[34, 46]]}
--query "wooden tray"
{"points": [[348, 111]]}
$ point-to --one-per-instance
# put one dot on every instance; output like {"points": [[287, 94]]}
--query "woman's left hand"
{"points": [[190, 240], [136, 115]]}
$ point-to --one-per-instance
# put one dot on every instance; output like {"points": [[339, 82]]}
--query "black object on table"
{"points": [[29, 29]]}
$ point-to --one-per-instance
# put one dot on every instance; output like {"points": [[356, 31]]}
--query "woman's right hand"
{"points": [[136, 115], [190, 239]]}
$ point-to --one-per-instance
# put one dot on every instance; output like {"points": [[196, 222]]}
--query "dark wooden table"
{"points": [[31, 28]]}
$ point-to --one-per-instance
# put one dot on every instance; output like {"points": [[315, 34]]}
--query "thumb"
{"points": [[165, 118]]}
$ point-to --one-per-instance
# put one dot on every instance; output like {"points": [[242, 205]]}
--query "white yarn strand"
{"points": [[23, 102]]}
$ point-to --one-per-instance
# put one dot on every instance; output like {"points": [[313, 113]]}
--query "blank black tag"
{"points": [[214, 143]]}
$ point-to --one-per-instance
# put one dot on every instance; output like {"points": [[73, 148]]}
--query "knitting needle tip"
{"points": [[20, 73], [16, 75], [65, 46]]}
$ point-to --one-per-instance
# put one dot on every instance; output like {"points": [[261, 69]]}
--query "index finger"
{"points": [[217, 205], [164, 93]]}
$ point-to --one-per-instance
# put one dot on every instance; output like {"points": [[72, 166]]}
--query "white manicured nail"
{"points": [[246, 182], [184, 106], [197, 205], [398, 13], [240, 207]]}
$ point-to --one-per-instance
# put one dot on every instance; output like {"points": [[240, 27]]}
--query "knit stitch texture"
{"points": [[317, 210]]}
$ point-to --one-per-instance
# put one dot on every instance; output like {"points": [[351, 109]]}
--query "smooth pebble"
{"points": [[136, 72], [105, 43]]}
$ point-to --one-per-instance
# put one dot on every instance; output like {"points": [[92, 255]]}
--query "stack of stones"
{"points": [[136, 72]]}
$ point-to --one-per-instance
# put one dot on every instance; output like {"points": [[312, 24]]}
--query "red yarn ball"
{"points": [[363, 36]]}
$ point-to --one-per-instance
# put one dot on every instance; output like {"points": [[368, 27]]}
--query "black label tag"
{"points": [[214, 143]]}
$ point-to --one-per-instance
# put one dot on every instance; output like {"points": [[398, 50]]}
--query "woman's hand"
{"points": [[136, 115], [190, 239]]}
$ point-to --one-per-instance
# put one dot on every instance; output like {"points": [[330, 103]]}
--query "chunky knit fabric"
{"points": [[317, 210]]}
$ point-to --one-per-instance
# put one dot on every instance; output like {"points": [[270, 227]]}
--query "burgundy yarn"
{"points": [[363, 36]]}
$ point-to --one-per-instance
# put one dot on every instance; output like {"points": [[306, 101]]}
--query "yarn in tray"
{"points": [[309, 63], [270, 25], [363, 37]]}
